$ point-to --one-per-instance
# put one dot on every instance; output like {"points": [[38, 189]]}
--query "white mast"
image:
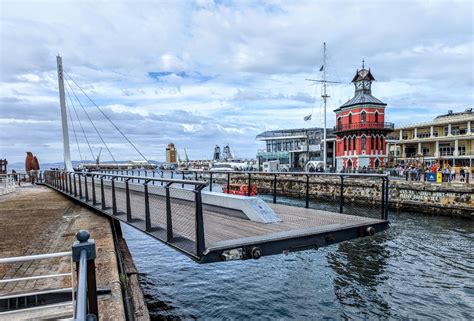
{"points": [[325, 97], [62, 103]]}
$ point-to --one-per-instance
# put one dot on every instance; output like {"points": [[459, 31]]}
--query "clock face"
{"points": [[366, 84], [359, 85]]}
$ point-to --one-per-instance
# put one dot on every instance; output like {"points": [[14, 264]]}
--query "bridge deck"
{"points": [[301, 228]]}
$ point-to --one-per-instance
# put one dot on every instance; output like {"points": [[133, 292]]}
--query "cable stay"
{"points": [[80, 124], [107, 117], [74, 131], [90, 119]]}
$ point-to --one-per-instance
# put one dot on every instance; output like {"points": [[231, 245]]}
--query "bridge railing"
{"points": [[350, 193], [168, 208]]}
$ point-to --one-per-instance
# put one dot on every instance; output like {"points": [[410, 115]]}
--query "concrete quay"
{"points": [[37, 220]]}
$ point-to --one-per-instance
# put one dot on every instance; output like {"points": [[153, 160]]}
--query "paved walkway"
{"points": [[38, 220]]}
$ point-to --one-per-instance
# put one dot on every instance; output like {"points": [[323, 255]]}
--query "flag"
{"points": [[306, 118], [322, 67]]}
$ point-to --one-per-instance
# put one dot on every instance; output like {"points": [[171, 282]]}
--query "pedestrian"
{"points": [[461, 174], [453, 173]]}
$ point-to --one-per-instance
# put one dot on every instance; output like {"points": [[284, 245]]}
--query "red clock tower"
{"points": [[360, 128]]}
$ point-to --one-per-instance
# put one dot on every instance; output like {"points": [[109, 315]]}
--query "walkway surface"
{"points": [[39, 220]]}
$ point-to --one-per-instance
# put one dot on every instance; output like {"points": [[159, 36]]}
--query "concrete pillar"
{"points": [[456, 147], [469, 127], [415, 133], [449, 129], [419, 148], [403, 151], [401, 134], [436, 154], [431, 131], [395, 152]]}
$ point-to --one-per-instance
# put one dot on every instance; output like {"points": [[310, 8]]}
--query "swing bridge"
{"points": [[190, 214]]}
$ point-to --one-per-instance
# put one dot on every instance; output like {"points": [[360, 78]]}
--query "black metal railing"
{"points": [[363, 125], [373, 200], [144, 201]]}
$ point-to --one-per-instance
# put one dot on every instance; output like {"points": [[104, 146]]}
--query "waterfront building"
{"points": [[171, 154], [293, 148], [447, 139], [360, 128]]}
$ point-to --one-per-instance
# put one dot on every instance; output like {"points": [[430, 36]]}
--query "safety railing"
{"points": [[364, 125], [84, 305], [7, 184], [169, 208], [351, 193]]}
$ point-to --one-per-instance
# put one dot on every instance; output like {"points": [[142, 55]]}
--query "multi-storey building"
{"points": [[170, 154], [448, 139], [295, 147], [360, 128]]}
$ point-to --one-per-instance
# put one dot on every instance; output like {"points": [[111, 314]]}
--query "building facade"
{"points": [[448, 139], [295, 147], [361, 130], [171, 154]]}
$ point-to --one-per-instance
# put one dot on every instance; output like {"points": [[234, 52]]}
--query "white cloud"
{"points": [[227, 69]]}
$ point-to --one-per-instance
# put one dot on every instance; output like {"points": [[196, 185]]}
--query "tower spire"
{"points": [[363, 63]]}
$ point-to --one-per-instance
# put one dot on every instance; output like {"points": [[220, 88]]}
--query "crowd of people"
{"points": [[417, 171]]}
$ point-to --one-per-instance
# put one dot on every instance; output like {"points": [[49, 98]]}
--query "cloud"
{"points": [[216, 72]]}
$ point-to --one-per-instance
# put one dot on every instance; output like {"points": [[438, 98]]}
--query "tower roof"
{"points": [[363, 74]]}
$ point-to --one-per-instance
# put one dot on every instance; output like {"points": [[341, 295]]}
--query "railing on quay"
{"points": [[83, 254], [310, 178], [92, 187]]}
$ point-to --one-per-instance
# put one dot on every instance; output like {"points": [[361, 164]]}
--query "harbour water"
{"points": [[422, 267]]}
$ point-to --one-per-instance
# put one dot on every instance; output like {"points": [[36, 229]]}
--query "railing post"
{"points": [[86, 189], [147, 208], [66, 182], [70, 182], [94, 198], [387, 197], [307, 192], [249, 185], [200, 245], [383, 198], [84, 254], [182, 185], [102, 193], [80, 186], [127, 199], [228, 182], [169, 220], [341, 195], [75, 185], [114, 200], [210, 181], [153, 173], [274, 188]]}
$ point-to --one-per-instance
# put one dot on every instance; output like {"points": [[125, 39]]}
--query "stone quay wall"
{"points": [[448, 199]]}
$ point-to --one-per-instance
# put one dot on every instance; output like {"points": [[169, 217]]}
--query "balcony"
{"points": [[361, 126]]}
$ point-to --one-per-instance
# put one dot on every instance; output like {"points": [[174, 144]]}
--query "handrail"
{"points": [[364, 125], [248, 172], [15, 259], [156, 179]]}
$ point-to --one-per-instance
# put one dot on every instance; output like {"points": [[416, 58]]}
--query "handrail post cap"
{"points": [[83, 236]]}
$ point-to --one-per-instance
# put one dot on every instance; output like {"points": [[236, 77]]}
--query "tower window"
{"points": [[350, 118], [339, 122], [376, 117], [363, 117], [363, 143]]}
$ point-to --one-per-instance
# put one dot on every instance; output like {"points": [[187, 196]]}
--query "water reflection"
{"points": [[360, 268]]}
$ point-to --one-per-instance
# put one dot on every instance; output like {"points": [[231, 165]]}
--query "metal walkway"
{"points": [[165, 210]]}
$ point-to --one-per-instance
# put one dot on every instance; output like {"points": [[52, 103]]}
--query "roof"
{"points": [[449, 118], [362, 98], [293, 132], [363, 74]]}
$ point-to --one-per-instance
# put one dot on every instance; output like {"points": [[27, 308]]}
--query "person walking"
{"points": [[453, 173], [461, 174]]}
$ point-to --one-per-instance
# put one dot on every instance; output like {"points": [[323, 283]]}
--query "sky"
{"points": [[201, 73]]}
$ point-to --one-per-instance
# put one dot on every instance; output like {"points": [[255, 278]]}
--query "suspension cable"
{"points": [[110, 120], [80, 123], [90, 119], [74, 131]]}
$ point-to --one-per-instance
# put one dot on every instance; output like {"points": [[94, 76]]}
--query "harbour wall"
{"points": [[449, 199]]}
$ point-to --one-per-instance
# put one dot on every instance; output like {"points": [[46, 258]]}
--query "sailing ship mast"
{"points": [[325, 97]]}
